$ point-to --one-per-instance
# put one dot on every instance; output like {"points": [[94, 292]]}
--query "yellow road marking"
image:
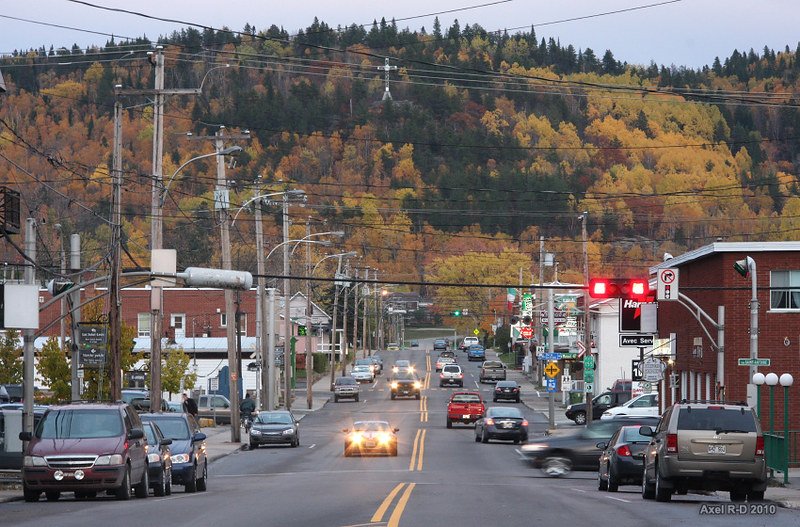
{"points": [[394, 519], [421, 452], [414, 450], [378, 516]]}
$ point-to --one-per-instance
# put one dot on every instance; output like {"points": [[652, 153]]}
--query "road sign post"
{"points": [[753, 362], [667, 284]]}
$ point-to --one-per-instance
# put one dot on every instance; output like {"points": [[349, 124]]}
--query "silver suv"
{"points": [[705, 446], [345, 388], [451, 374]]}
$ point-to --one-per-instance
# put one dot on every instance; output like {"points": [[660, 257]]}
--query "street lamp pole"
{"points": [[287, 325]]}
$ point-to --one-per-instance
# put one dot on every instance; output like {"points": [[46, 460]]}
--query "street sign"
{"points": [[581, 347], [588, 362], [551, 356], [476, 332], [552, 369], [526, 332], [539, 349], [754, 362], [552, 386], [652, 369], [92, 353], [526, 307], [559, 317], [638, 341], [667, 284], [588, 375], [588, 387]]}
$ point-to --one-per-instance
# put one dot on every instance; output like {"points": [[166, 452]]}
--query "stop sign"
{"points": [[526, 332]]}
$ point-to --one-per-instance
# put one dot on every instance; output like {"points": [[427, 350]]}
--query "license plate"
{"points": [[716, 449], [508, 425], [370, 444], [466, 416]]}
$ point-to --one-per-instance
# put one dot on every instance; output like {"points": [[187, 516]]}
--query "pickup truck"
{"points": [[464, 407], [492, 370], [600, 403]]}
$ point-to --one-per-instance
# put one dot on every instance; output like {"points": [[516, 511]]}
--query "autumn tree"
{"points": [[54, 369], [10, 358], [175, 374]]}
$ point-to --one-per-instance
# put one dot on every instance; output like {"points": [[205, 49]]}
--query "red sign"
{"points": [[526, 332]]}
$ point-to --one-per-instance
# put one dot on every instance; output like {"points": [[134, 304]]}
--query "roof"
{"points": [[726, 247]]}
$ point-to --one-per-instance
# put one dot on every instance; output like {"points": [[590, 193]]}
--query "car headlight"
{"points": [[288, 431], [114, 459], [607, 413], [569, 408], [180, 458], [417, 385], [153, 458], [34, 461], [384, 438], [254, 432], [394, 386], [356, 438]]}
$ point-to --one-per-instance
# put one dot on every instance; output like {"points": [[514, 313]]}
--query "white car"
{"points": [[644, 405], [362, 373], [451, 374]]}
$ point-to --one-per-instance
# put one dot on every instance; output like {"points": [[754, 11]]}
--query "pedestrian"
{"points": [[189, 406]]}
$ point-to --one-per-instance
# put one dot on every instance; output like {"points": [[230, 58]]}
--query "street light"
{"points": [[745, 267], [290, 193], [231, 150]]}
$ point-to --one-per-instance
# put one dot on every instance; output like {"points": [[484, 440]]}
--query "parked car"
{"points": [[505, 423], [216, 407], [189, 462], [345, 388], [705, 446], [362, 373], [10, 444], [476, 352], [506, 390], [86, 448], [492, 370], [600, 403], [621, 459], [159, 459], [366, 361], [643, 405], [405, 383], [451, 375], [576, 448], [4, 396], [464, 407], [276, 427], [370, 437]]}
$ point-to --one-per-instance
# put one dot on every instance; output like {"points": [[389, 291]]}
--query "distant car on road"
{"points": [[405, 383], [362, 373], [439, 344], [274, 428], [500, 422], [643, 405], [414, 343], [451, 375], [492, 370], [467, 342], [402, 364], [370, 437], [393, 346], [506, 390], [621, 460], [444, 360], [464, 407]]}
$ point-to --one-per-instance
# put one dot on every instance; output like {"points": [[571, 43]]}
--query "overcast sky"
{"points": [[683, 33]]}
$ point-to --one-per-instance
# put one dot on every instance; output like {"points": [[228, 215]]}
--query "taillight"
{"points": [[624, 451], [490, 421], [441, 375], [672, 443], [524, 422], [760, 446]]}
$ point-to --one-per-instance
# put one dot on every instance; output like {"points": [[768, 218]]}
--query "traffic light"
{"points": [[527, 320], [631, 288], [302, 331], [514, 320], [56, 288], [456, 313]]}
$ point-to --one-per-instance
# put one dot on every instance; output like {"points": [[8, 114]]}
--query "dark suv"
{"points": [[86, 448], [703, 445]]}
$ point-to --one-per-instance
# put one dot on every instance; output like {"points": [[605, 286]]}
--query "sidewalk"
{"points": [[218, 439]]}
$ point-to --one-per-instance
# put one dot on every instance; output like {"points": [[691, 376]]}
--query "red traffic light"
{"points": [[633, 288]]}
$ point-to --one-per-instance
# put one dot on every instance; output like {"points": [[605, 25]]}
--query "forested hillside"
{"points": [[490, 141]]}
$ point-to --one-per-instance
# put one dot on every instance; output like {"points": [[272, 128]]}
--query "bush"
{"points": [[321, 362]]}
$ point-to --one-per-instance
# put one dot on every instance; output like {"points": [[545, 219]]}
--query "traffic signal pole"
{"points": [[586, 319]]}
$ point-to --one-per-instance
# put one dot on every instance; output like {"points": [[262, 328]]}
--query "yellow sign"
{"points": [[552, 369], [476, 331]]}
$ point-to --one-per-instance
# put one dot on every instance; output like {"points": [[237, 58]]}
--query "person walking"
{"points": [[189, 406]]}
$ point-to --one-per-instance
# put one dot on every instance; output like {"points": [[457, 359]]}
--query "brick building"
{"points": [[708, 278]]}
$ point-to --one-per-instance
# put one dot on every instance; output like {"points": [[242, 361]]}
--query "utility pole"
{"points": [[287, 323], [355, 313], [551, 327], [586, 318], [335, 317], [115, 327], [376, 325], [271, 369], [261, 338], [346, 295], [28, 335], [75, 310], [309, 325], [156, 229], [364, 316]]}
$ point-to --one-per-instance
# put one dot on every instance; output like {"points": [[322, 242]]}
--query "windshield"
{"points": [[150, 435], [80, 424], [361, 368], [371, 426], [716, 419], [173, 428], [465, 398], [345, 380], [274, 418], [405, 376]]}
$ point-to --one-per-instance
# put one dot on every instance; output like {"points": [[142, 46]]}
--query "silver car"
{"points": [[362, 373], [705, 446]]}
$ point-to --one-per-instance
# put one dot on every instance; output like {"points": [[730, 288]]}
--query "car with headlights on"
{"points": [[189, 461], [405, 384], [86, 448], [370, 437], [159, 459], [275, 428], [506, 390], [362, 373], [500, 422], [402, 364], [574, 448], [621, 459]]}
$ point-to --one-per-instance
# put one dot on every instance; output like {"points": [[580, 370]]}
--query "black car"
{"points": [[600, 403], [506, 390], [159, 459], [274, 428], [189, 462], [621, 462], [439, 344], [575, 448], [501, 423], [405, 384]]}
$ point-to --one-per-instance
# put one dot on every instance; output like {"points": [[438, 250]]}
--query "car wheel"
{"points": [[29, 494], [52, 495], [648, 489], [477, 437], [449, 423], [418, 396], [556, 467], [681, 492], [253, 446], [202, 483], [142, 489], [661, 493], [517, 399], [517, 440], [393, 396], [356, 398], [124, 490], [161, 487], [191, 481], [613, 481], [601, 483], [336, 398], [295, 443], [755, 495], [393, 451], [580, 418], [484, 436], [738, 494]]}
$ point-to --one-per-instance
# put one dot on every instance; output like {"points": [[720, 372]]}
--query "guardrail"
{"points": [[776, 454]]}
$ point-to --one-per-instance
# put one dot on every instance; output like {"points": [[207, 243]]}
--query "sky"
{"points": [[676, 32]]}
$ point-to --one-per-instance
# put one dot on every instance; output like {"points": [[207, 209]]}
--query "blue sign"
{"points": [[551, 385], [551, 356]]}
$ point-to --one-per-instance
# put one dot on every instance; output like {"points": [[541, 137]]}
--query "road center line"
{"points": [[414, 450], [618, 499], [421, 452], [312, 446], [378, 516], [394, 519]]}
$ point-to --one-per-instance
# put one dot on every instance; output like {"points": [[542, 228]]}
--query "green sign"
{"points": [[588, 375], [302, 331], [753, 362], [588, 362]]}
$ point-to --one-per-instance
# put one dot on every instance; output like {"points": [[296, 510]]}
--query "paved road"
{"points": [[440, 475]]}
